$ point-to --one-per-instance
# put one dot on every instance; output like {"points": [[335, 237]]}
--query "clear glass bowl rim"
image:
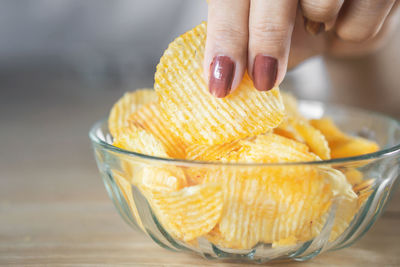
{"points": [[383, 153]]}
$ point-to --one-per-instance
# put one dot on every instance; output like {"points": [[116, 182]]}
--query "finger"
{"points": [[270, 29], [320, 14], [340, 48], [225, 57], [303, 45], [360, 20]]}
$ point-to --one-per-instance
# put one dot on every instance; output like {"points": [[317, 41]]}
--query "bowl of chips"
{"points": [[255, 176], [252, 211]]}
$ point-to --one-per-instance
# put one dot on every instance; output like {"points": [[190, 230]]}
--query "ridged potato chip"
{"points": [[339, 184], [331, 132], [130, 168], [313, 138], [268, 208], [299, 129], [190, 212], [275, 204], [349, 204], [287, 130], [131, 101], [138, 140], [291, 107], [341, 144], [273, 148], [353, 176], [211, 153], [126, 189], [161, 179], [195, 175], [365, 185], [197, 116], [354, 147], [152, 119], [345, 212], [364, 190]]}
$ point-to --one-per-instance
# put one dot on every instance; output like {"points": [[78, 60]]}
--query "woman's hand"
{"points": [[257, 35]]}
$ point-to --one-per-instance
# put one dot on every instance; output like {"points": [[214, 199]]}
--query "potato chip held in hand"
{"points": [[196, 115]]}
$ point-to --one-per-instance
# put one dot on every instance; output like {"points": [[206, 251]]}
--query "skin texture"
{"points": [[282, 34]]}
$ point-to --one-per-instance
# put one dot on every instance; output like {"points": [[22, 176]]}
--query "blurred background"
{"points": [[63, 63]]}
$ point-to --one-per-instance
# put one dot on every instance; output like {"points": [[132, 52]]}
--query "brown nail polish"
{"points": [[313, 27], [222, 70], [265, 69]]}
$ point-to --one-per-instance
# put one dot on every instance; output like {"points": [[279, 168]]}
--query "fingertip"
{"points": [[265, 69], [222, 71], [239, 73]]}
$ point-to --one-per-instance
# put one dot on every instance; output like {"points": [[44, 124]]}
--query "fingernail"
{"points": [[265, 69], [222, 69], [313, 27]]}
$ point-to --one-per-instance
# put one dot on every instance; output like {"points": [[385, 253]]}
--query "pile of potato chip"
{"points": [[233, 206]]}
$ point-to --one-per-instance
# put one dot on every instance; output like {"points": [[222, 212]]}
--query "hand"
{"points": [[259, 35]]}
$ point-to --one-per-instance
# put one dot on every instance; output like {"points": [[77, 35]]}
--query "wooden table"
{"points": [[53, 206]]}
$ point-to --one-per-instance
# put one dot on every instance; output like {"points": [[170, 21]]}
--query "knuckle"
{"points": [[355, 35], [229, 39], [321, 10], [269, 37], [269, 32], [229, 33], [373, 7]]}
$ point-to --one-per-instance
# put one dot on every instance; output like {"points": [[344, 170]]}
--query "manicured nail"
{"points": [[313, 27], [265, 69], [222, 70]]}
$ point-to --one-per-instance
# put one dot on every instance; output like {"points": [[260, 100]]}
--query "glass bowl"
{"points": [[377, 175]]}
